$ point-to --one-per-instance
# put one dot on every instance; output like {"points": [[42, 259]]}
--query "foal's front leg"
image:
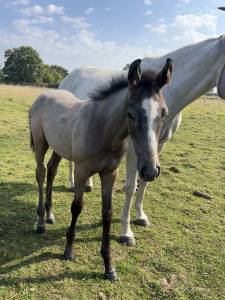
{"points": [[88, 186], [107, 182], [76, 208]]}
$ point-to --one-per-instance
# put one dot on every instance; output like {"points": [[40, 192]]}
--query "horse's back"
{"points": [[82, 81], [52, 115]]}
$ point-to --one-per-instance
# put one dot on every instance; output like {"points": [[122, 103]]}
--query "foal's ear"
{"points": [[134, 73], [165, 75]]}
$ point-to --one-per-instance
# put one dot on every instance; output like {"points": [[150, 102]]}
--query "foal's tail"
{"points": [[31, 136]]}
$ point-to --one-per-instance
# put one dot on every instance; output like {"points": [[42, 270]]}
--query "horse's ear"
{"points": [[134, 73], [165, 75]]}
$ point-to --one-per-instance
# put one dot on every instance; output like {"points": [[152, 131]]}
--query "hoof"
{"points": [[87, 189], [128, 241], [50, 220], [112, 276], [71, 189], [142, 222], [68, 254], [40, 229]]}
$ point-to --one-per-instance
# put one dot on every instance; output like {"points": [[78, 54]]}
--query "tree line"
{"points": [[24, 65]]}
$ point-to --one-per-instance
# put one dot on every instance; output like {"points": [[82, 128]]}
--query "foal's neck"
{"points": [[114, 111]]}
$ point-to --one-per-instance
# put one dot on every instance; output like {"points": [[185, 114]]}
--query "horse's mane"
{"points": [[120, 82], [116, 84]]}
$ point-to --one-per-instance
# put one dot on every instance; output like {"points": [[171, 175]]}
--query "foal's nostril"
{"points": [[158, 171], [143, 172]]}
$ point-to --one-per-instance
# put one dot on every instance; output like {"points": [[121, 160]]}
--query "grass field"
{"points": [[182, 254]]}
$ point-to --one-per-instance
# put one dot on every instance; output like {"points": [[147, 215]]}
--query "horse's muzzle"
{"points": [[149, 174]]}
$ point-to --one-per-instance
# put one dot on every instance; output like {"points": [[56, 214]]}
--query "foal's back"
{"points": [[52, 118]]}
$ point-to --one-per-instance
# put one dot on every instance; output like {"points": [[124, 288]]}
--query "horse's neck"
{"points": [[112, 112], [192, 80], [195, 72]]}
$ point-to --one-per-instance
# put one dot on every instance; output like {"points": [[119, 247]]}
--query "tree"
{"points": [[47, 76], [53, 74], [58, 73], [1, 76], [59, 70], [23, 64]]}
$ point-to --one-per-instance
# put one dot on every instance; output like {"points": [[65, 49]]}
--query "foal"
{"points": [[93, 134]]}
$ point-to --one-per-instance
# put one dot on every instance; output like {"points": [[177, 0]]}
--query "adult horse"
{"points": [[93, 134], [196, 70]]}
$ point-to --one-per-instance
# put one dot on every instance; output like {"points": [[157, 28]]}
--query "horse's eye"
{"points": [[164, 113], [131, 116]]}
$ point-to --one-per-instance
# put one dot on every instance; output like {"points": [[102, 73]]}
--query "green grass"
{"points": [[181, 256]]}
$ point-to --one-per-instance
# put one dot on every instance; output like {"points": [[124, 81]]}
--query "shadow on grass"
{"points": [[18, 238], [47, 256], [44, 257], [46, 279]]}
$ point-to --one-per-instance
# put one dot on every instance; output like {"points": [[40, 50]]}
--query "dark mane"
{"points": [[120, 82], [116, 84]]}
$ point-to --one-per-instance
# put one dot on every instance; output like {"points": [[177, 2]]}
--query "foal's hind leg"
{"points": [[40, 150], [52, 170], [76, 208]]}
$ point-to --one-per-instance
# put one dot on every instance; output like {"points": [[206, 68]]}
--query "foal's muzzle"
{"points": [[149, 174]]}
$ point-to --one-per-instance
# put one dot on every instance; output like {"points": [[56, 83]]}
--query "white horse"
{"points": [[196, 69]]}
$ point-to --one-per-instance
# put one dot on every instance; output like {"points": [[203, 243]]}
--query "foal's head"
{"points": [[146, 112]]}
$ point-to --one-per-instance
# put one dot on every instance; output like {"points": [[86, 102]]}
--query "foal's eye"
{"points": [[164, 113], [130, 116]]}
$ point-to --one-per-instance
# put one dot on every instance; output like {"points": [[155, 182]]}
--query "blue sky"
{"points": [[106, 34]]}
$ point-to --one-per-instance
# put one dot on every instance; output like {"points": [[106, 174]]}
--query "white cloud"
{"points": [[89, 11], [54, 9], [108, 9], [192, 28], [160, 28], [147, 2], [148, 12], [185, 1], [191, 21], [17, 2], [188, 28], [33, 10], [79, 23], [37, 9], [68, 49], [23, 25], [41, 20], [190, 36]]}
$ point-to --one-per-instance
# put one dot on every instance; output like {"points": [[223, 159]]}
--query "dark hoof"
{"points": [[142, 222], [112, 276], [71, 189], [50, 220], [40, 229], [68, 254], [128, 241], [87, 188]]}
